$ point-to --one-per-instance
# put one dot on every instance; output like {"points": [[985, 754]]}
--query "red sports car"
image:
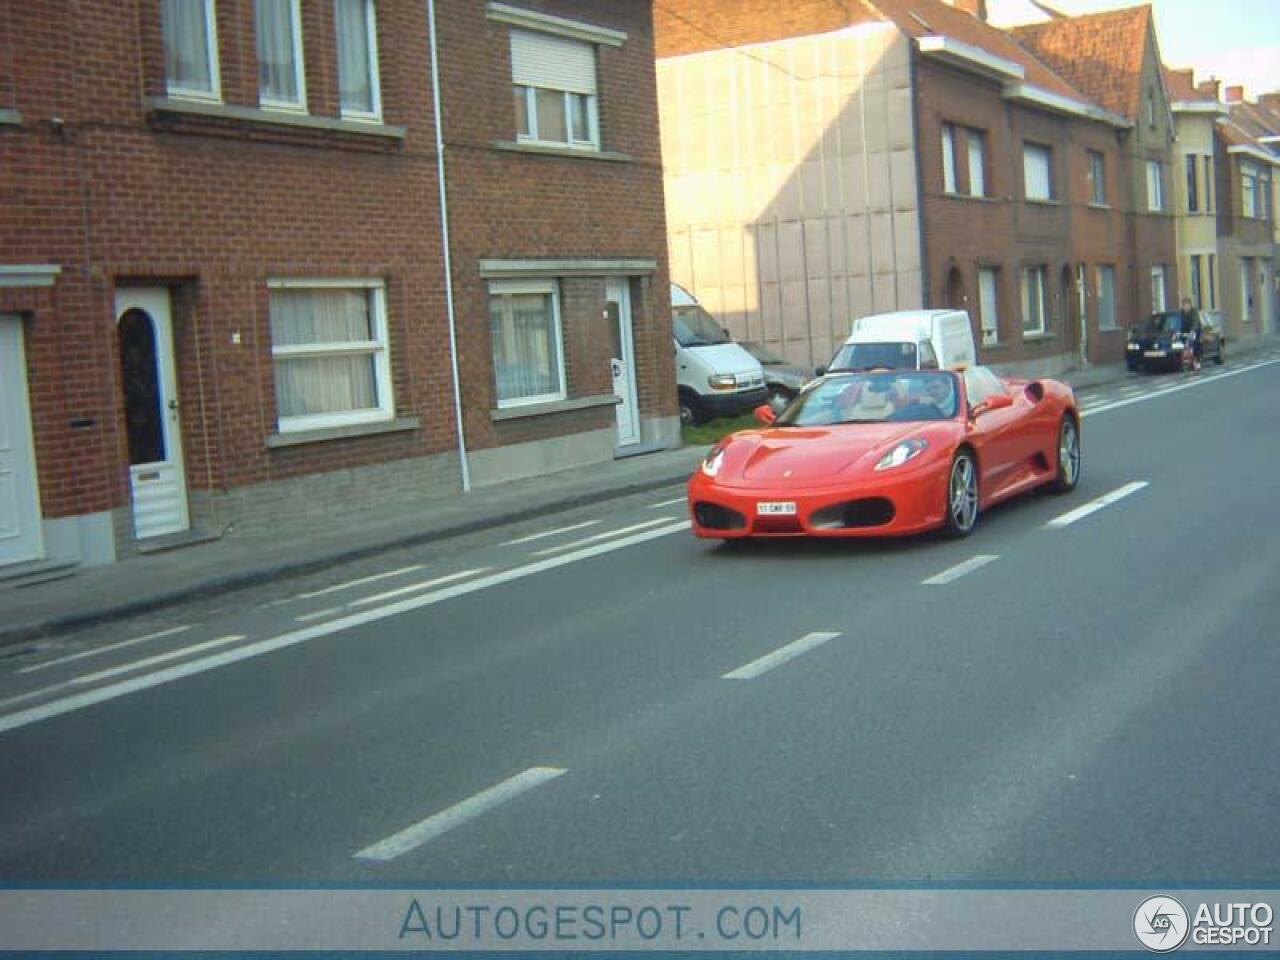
{"points": [[885, 453]]}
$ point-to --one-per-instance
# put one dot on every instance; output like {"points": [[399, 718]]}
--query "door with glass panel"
{"points": [[622, 364], [19, 495], [153, 426]]}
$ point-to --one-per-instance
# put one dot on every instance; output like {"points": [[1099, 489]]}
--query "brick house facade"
{"points": [[221, 261]]}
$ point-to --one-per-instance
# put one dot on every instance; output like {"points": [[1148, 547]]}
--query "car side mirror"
{"points": [[764, 414], [819, 371]]}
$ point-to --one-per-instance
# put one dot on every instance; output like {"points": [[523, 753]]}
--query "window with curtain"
{"points": [[1197, 285], [190, 49], [1155, 187], [949, 158], [1106, 297], [1193, 185], [988, 285], [554, 86], [1037, 169], [281, 82], [524, 325], [1033, 299], [329, 348], [360, 95], [1097, 178], [1157, 288], [976, 141]]}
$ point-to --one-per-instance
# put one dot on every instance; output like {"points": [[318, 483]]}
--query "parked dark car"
{"points": [[1165, 340], [783, 379]]}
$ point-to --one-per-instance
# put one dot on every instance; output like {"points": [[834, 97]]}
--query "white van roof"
{"points": [[907, 324], [680, 297]]}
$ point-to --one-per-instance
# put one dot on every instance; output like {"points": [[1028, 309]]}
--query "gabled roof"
{"points": [[1181, 87], [682, 27], [1101, 54]]}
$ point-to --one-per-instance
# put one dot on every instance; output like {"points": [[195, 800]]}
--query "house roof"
{"points": [[1181, 87], [1101, 54], [694, 26]]}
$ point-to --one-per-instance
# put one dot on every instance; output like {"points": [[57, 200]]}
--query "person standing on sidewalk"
{"points": [[1191, 354]]}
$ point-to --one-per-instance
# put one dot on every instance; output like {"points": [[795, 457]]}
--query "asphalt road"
{"points": [[1085, 702]]}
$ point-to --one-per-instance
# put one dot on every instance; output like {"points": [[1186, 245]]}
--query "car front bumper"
{"points": [[734, 404]]}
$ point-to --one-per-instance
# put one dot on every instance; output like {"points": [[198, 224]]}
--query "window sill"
{"points": [[1037, 202], [295, 438], [10, 118], [1038, 337], [609, 156], [555, 406], [976, 198], [1099, 206], [222, 118]]}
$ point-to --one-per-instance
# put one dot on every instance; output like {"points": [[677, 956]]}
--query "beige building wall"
{"points": [[791, 187], [1197, 232]]}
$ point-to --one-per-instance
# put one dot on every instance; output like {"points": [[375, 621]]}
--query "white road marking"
{"points": [[259, 648], [97, 650], [1093, 506], [1117, 404], [356, 583], [318, 614], [434, 826], [159, 658], [960, 569], [769, 661], [416, 587], [550, 533], [34, 694], [1132, 391], [668, 503], [607, 535]]}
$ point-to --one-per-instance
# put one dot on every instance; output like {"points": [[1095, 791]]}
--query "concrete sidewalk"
{"points": [[251, 558]]}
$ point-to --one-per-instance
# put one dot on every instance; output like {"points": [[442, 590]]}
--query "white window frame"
{"points": [[375, 73], [1155, 187], [1037, 151], [990, 318], [1158, 284], [1195, 200], [1102, 270], [1208, 184], [379, 347], [975, 144], [1097, 177], [1040, 272], [1249, 181], [214, 93], [949, 182], [531, 111], [498, 288], [1195, 280], [299, 65]]}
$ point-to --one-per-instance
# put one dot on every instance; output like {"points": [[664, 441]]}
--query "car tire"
{"points": [[691, 410], [960, 515], [1069, 457]]}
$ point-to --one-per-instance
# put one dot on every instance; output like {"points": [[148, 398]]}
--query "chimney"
{"points": [[1211, 88], [1235, 94], [975, 8]]}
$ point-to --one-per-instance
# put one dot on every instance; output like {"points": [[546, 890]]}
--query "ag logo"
{"points": [[1161, 924]]}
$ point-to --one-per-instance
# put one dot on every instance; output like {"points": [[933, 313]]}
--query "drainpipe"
{"points": [[444, 240]]}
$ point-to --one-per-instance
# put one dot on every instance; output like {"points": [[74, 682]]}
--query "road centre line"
{"points": [[550, 533], [608, 534], [356, 583], [762, 665], [171, 631], [415, 587], [960, 569], [159, 658], [1116, 404], [440, 823], [318, 614], [1093, 506], [259, 648], [668, 503]]}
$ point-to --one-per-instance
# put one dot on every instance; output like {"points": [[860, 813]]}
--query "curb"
{"points": [[230, 583]]}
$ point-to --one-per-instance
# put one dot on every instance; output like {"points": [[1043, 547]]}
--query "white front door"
{"points": [[622, 363], [19, 495], [156, 475]]}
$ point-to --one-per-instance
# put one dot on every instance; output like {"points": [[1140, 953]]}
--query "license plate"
{"points": [[1154, 353], [775, 508]]}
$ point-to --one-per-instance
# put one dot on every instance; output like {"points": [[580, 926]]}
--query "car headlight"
{"points": [[906, 450], [711, 463], [1176, 345], [722, 381], [1134, 346]]}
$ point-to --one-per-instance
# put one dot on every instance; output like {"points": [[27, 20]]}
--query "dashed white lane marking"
{"points": [[1117, 404], [434, 826], [318, 614], [357, 583], [550, 533], [607, 535], [668, 503], [71, 658], [160, 658], [416, 587], [123, 688], [1093, 506], [749, 671], [960, 570], [1132, 391]]}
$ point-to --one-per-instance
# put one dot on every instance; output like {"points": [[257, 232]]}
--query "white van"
{"points": [[716, 377], [920, 339]]}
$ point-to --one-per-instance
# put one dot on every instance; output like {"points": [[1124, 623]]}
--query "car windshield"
{"points": [[1167, 322], [763, 354], [694, 327], [871, 398], [872, 356]]}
